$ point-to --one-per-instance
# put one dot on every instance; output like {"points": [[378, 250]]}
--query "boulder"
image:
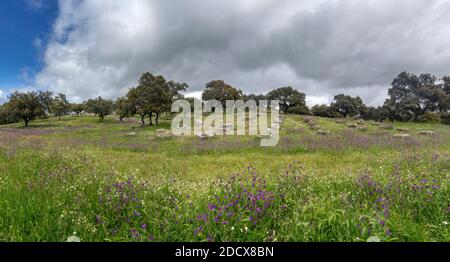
{"points": [[427, 133], [163, 133], [322, 132], [387, 126]]}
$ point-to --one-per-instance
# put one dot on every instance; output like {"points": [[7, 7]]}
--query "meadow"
{"points": [[79, 179]]}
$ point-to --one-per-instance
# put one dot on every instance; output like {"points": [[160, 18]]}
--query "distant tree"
{"points": [[60, 105], [46, 100], [123, 108], [291, 100], [221, 91], [6, 117], [411, 96], [374, 113], [26, 106], [322, 110], [446, 84], [445, 102], [77, 108], [347, 106], [100, 107], [192, 101], [161, 93], [154, 95], [254, 97], [139, 102]]}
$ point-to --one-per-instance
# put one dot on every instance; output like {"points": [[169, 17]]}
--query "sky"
{"points": [[89, 48]]}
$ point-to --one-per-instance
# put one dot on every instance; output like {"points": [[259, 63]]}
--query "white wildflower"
{"points": [[373, 239], [73, 239]]}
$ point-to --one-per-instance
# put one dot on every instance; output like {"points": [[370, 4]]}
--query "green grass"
{"points": [[93, 180]]}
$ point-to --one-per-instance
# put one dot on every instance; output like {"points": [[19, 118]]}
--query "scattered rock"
{"points": [[322, 132], [163, 133], [339, 121], [206, 136], [427, 133], [375, 123], [360, 122], [316, 127], [131, 134], [353, 125], [387, 126]]}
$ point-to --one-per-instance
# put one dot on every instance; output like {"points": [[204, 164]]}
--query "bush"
{"points": [[445, 118], [429, 117]]}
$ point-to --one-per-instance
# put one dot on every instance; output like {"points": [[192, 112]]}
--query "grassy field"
{"points": [[116, 181]]}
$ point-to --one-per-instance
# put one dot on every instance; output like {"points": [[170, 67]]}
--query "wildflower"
{"points": [[388, 232], [135, 234], [144, 226], [209, 238], [198, 231]]}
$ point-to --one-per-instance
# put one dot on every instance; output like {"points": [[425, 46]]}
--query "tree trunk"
{"points": [[143, 120], [157, 118], [59, 116], [150, 117], [26, 122]]}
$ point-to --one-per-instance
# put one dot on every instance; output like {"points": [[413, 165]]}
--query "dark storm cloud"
{"points": [[320, 47]]}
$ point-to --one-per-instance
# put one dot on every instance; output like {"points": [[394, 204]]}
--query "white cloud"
{"points": [[320, 47], [318, 100], [196, 94]]}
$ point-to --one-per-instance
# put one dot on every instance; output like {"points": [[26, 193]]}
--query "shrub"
{"points": [[445, 118], [429, 117]]}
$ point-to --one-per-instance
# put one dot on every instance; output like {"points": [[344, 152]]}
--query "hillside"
{"points": [[117, 181]]}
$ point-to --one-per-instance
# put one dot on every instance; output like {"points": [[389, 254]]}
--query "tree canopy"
{"points": [[100, 107], [290, 100], [154, 95], [411, 96], [26, 106], [60, 105], [221, 91], [347, 106]]}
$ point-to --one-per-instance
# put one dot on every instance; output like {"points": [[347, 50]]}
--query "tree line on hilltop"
{"points": [[412, 97]]}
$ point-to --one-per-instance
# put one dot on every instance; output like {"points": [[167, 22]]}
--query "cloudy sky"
{"points": [[321, 47]]}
